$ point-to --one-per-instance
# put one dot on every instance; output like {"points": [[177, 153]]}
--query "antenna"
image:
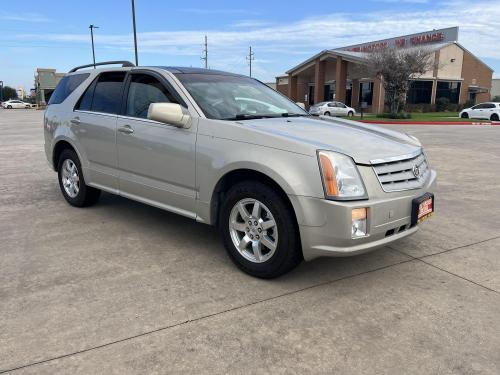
{"points": [[205, 53], [250, 58]]}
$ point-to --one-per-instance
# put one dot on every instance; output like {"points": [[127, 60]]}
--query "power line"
{"points": [[205, 53], [250, 58]]}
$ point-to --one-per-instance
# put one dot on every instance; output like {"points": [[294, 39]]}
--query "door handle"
{"points": [[75, 120], [126, 129]]}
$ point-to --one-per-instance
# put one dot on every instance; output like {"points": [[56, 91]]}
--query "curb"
{"points": [[429, 122]]}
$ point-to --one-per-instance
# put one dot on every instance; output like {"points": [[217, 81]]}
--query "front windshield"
{"points": [[226, 97]]}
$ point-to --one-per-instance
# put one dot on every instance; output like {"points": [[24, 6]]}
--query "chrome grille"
{"points": [[403, 174]]}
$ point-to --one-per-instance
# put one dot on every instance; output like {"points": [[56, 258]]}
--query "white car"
{"points": [[331, 109], [488, 111], [14, 103]]}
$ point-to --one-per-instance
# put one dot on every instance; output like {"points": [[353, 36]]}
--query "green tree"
{"points": [[397, 67], [496, 99], [9, 93]]}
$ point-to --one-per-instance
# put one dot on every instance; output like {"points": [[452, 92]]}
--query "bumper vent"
{"points": [[403, 174]]}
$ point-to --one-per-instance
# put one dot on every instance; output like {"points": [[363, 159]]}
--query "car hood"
{"points": [[363, 142]]}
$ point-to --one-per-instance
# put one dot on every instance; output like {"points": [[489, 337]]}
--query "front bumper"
{"points": [[326, 230]]}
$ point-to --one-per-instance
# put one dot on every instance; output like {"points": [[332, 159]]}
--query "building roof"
{"points": [[362, 56]]}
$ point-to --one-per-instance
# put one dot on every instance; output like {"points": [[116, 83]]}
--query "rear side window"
{"points": [[66, 86], [104, 94]]}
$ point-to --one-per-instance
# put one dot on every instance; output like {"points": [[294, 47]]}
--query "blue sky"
{"points": [[282, 33]]}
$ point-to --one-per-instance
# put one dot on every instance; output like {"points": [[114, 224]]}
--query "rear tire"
{"points": [[276, 227], [72, 182], [9, 107], [494, 117], [465, 115]]}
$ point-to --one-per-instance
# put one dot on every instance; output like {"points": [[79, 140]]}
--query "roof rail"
{"points": [[122, 62]]}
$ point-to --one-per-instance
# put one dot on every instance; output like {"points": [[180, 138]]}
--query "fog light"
{"points": [[358, 228]]}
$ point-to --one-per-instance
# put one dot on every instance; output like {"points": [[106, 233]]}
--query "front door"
{"points": [[156, 161]]}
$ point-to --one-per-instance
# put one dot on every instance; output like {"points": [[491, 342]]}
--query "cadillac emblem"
{"points": [[416, 171]]}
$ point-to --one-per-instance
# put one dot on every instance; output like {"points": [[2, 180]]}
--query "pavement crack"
{"points": [[421, 259], [204, 317]]}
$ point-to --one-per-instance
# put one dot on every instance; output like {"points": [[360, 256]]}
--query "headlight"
{"points": [[341, 179]]}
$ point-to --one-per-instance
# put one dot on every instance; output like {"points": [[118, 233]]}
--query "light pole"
{"points": [[1, 91], [135, 34], [92, 27]]}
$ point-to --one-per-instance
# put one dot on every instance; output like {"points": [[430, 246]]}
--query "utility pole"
{"points": [[205, 53], [135, 34], [92, 27], [1, 91], [250, 58]]}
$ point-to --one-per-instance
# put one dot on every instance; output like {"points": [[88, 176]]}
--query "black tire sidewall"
{"points": [[350, 114], [465, 115], [285, 256], [79, 200], [494, 117], [327, 113]]}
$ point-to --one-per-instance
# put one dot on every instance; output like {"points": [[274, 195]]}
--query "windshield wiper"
{"points": [[242, 116], [286, 114]]}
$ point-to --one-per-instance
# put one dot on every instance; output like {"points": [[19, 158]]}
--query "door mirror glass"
{"points": [[169, 113]]}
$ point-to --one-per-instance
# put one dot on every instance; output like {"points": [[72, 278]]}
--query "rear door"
{"points": [[94, 123], [156, 161]]}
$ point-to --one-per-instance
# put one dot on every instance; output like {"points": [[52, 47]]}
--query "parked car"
{"points": [[280, 186], [331, 109], [15, 104], [488, 111]]}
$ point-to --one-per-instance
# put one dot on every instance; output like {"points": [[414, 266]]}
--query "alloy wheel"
{"points": [[253, 230], [70, 178]]}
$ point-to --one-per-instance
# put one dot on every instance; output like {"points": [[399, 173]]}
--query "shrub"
{"points": [[399, 115], [496, 99], [442, 104]]}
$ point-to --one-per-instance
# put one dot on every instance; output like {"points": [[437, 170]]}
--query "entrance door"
{"points": [[311, 95], [348, 95]]}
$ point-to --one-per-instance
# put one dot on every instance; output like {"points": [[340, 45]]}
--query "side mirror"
{"points": [[301, 105], [169, 113]]}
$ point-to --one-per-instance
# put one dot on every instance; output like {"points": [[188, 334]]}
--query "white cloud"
{"points": [[25, 17]]}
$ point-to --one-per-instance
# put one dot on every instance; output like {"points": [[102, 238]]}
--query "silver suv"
{"points": [[227, 150]]}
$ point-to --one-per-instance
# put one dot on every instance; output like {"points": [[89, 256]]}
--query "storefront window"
{"points": [[365, 92], [450, 90], [420, 92]]}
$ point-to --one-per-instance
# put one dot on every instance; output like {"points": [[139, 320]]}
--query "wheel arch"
{"points": [[235, 176], [59, 147]]}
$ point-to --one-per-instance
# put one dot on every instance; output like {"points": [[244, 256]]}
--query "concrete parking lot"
{"points": [[126, 288]]}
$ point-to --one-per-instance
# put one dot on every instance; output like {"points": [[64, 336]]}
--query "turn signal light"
{"points": [[359, 214], [329, 176]]}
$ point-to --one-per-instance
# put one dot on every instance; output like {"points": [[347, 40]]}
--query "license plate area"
{"points": [[422, 208]]}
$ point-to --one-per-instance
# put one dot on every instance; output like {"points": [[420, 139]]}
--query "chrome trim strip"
{"points": [[397, 158]]}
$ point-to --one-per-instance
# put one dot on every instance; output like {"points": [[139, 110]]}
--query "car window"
{"points": [[331, 104], [106, 93], [66, 86], [479, 106], [489, 105], [145, 89]]}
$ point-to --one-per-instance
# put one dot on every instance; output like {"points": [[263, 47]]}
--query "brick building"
{"points": [[332, 74]]}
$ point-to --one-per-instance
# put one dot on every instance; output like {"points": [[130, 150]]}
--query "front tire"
{"points": [[259, 230], [465, 115], [9, 107], [327, 113], [72, 182], [350, 114]]}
